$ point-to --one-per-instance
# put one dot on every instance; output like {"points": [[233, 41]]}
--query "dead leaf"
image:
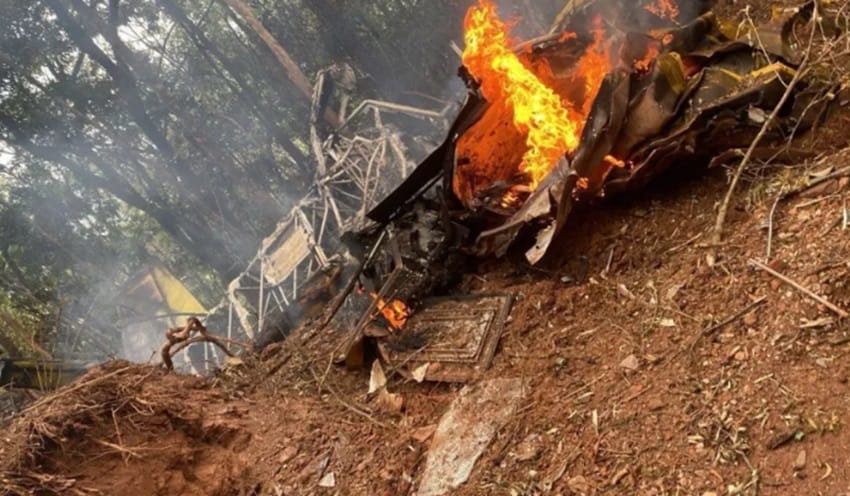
{"points": [[822, 172], [800, 461], [419, 373], [377, 380], [530, 448], [756, 115], [579, 484], [423, 434], [287, 454], [390, 402]]}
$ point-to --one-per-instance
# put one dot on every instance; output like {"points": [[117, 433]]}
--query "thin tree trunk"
{"points": [[293, 72], [242, 89]]}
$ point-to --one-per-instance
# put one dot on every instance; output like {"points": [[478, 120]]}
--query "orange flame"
{"points": [[395, 312], [652, 51], [665, 9], [551, 126], [595, 64]]}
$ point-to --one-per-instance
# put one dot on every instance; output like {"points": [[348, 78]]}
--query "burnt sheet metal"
{"points": [[450, 339], [433, 168], [690, 106], [408, 261], [627, 15]]}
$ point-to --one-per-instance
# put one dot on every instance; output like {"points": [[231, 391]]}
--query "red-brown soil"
{"points": [[696, 416]]}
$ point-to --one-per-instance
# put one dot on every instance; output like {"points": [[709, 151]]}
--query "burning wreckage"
{"points": [[611, 98]]}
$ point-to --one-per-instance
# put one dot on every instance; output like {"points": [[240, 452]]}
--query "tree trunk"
{"points": [[340, 36], [243, 89], [293, 72]]}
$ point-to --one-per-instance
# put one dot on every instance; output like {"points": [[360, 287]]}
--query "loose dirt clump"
{"points": [[126, 429]]}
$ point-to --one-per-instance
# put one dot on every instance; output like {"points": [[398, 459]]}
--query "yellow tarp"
{"points": [[159, 292]]}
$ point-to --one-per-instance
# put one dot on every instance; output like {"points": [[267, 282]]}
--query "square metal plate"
{"points": [[455, 337]]}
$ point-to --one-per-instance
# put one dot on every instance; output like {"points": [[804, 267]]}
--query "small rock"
{"points": [[328, 480], [800, 462], [287, 454], [780, 439], [579, 484], [530, 448], [630, 363]]}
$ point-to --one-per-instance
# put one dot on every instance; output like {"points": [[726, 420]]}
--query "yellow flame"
{"points": [[552, 128]]}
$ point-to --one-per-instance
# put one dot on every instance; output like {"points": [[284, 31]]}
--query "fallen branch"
{"points": [[802, 70], [787, 280]]}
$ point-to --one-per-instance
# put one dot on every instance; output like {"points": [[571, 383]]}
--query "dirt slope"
{"points": [[623, 397]]}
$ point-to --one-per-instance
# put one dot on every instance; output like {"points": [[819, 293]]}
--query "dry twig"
{"points": [[802, 71], [794, 284]]}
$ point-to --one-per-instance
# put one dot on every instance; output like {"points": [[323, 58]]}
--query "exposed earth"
{"points": [[645, 370]]}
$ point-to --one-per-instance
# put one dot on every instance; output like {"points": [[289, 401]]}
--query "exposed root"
{"points": [[181, 338], [83, 419]]}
